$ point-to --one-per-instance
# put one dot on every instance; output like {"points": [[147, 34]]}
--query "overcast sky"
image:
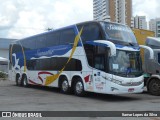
{"points": [[21, 18]]}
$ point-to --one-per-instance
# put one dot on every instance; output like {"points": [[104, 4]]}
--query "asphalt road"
{"points": [[14, 98]]}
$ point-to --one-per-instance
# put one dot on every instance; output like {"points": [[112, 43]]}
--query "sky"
{"points": [[22, 18]]}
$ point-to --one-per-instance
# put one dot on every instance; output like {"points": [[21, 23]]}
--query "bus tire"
{"points": [[24, 81], [18, 81], [154, 87], [79, 88], [64, 85]]}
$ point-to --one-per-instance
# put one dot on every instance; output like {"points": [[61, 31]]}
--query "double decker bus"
{"points": [[94, 56]]}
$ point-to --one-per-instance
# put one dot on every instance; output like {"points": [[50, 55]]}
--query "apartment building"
{"points": [[113, 10], [154, 25], [140, 22]]}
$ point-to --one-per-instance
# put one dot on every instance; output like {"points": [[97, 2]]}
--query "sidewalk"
{"points": [[5, 82]]}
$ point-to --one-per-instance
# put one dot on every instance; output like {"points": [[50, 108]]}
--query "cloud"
{"points": [[22, 18], [148, 8], [27, 17]]}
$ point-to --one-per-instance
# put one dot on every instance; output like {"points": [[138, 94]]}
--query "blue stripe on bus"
{"points": [[47, 52]]}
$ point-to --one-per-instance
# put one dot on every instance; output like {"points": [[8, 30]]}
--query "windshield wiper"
{"points": [[131, 44]]}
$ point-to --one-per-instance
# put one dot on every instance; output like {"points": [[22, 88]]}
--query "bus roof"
{"points": [[93, 21], [153, 41]]}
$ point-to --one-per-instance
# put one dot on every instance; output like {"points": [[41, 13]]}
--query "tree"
{"points": [[49, 29]]}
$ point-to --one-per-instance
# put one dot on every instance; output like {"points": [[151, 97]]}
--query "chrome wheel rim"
{"points": [[79, 87], [65, 85]]}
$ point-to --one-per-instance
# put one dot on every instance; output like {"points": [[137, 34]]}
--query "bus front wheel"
{"points": [[154, 87], [79, 88]]}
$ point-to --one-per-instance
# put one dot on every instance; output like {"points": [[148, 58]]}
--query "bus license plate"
{"points": [[130, 89]]}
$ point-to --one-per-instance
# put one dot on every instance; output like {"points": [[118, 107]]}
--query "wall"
{"points": [[141, 36], [4, 47], [4, 53]]}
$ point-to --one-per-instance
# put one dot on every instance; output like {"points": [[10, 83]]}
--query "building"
{"points": [[101, 10], [140, 22], [113, 10], [4, 47], [132, 22], [154, 25], [3, 65]]}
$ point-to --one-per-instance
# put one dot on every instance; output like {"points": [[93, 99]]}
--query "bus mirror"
{"points": [[108, 44], [149, 49]]}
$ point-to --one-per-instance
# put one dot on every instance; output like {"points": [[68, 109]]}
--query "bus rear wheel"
{"points": [[79, 88], [24, 81], [64, 85], [18, 80], [154, 87]]}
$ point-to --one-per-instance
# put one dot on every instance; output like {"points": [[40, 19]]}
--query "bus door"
{"points": [[10, 72], [99, 65]]}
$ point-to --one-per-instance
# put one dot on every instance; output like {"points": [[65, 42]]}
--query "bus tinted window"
{"points": [[90, 32], [31, 64], [67, 36], [99, 62], [29, 44], [119, 33], [16, 48], [52, 39], [54, 64], [41, 42]]}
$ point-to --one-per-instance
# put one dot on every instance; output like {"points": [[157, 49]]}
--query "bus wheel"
{"points": [[64, 85], [24, 81], [154, 87], [79, 88], [18, 80]]}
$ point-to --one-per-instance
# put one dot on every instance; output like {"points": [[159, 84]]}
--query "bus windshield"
{"points": [[119, 33], [126, 64]]}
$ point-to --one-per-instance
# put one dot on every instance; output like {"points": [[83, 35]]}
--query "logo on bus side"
{"points": [[45, 53]]}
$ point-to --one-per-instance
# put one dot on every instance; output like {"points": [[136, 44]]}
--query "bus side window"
{"points": [[89, 49], [67, 36], [90, 32], [31, 64], [41, 42], [159, 58], [16, 48], [99, 62], [29, 44], [52, 39]]}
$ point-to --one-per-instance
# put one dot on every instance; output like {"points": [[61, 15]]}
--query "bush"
{"points": [[3, 75]]}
